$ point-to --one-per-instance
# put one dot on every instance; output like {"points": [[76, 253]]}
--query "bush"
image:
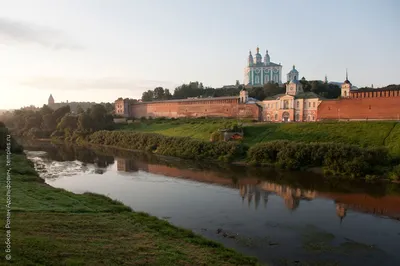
{"points": [[338, 159], [182, 147], [5, 141], [217, 136], [394, 175]]}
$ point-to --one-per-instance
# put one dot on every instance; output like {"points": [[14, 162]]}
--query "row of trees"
{"points": [[197, 89], [47, 122]]}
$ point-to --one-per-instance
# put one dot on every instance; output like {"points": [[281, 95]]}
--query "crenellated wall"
{"points": [[362, 106], [223, 107]]}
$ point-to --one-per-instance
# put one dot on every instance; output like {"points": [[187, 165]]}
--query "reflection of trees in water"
{"points": [[68, 152]]}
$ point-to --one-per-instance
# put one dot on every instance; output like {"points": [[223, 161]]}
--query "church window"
{"points": [[313, 118], [345, 93], [257, 80], [276, 117], [313, 105], [297, 117], [309, 104], [298, 104]]}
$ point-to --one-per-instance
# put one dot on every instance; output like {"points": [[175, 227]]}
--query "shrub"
{"points": [[338, 159], [217, 136], [182, 147]]}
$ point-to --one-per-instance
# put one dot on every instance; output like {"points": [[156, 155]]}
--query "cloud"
{"points": [[26, 33], [106, 83]]}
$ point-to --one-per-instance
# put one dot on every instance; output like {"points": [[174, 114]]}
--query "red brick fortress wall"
{"points": [[379, 108], [201, 108]]}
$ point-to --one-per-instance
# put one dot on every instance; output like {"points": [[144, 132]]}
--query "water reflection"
{"points": [[251, 202], [253, 189]]}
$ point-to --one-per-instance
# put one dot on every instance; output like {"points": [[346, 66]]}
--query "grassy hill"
{"points": [[365, 134]]}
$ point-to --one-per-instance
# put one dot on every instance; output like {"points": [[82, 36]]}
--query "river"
{"points": [[283, 218]]}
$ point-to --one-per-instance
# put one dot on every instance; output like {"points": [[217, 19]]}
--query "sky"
{"points": [[98, 50]]}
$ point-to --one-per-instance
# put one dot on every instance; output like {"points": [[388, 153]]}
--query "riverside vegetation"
{"points": [[354, 149], [51, 226]]}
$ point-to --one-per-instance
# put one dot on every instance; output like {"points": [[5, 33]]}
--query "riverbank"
{"points": [[360, 133], [51, 226], [337, 159]]}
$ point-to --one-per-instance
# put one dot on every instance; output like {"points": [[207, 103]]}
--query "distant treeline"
{"points": [[196, 89], [76, 107], [60, 123]]}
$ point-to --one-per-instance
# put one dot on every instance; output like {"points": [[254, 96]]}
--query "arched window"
{"points": [[297, 117], [268, 118], [257, 79], [298, 104], [313, 104], [276, 117], [345, 93]]}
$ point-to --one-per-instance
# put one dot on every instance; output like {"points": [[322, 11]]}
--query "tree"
{"points": [[45, 110], [61, 112], [79, 110], [49, 122], [68, 122], [167, 95], [147, 96], [158, 94]]}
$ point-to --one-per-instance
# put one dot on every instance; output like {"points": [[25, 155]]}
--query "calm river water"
{"points": [[283, 218]]}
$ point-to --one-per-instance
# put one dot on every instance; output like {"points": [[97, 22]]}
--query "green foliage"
{"points": [[217, 136], [326, 90], [182, 147], [338, 159], [198, 128], [394, 175], [158, 94], [7, 139]]}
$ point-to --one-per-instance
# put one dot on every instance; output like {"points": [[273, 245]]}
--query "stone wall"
{"points": [[200, 108], [379, 108]]}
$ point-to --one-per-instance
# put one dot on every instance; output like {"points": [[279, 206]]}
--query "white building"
{"points": [[259, 72]]}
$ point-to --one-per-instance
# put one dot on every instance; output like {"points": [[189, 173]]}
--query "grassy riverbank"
{"points": [[364, 134], [51, 226]]}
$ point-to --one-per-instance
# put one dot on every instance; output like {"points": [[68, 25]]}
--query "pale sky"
{"points": [[84, 50]]}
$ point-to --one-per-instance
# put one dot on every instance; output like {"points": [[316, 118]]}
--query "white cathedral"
{"points": [[259, 72]]}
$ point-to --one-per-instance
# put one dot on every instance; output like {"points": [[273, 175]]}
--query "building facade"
{"points": [[241, 106], [259, 72], [293, 106]]}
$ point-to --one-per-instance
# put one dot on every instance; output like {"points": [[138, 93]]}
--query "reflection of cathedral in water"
{"points": [[256, 192], [291, 196]]}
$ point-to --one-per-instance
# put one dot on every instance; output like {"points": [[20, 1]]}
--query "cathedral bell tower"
{"points": [[294, 86]]}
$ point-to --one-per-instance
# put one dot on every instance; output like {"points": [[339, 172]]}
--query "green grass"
{"points": [[365, 134], [195, 128], [54, 227]]}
